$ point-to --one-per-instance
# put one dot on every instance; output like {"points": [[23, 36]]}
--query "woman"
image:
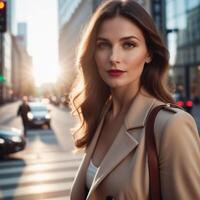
{"points": [[123, 66]]}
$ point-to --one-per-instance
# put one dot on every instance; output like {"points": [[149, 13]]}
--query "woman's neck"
{"points": [[121, 99]]}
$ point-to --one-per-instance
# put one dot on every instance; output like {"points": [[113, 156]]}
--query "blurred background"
{"points": [[38, 44]]}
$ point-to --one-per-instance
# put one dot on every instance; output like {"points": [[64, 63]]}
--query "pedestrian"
{"points": [[123, 74], [22, 111]]}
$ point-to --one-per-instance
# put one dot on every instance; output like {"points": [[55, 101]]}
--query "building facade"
{"points": [[22, 69], [73, 16], [183, 25], [6, 57]]}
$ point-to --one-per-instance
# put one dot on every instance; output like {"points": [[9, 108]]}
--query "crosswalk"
{"points": [[48, 177]]}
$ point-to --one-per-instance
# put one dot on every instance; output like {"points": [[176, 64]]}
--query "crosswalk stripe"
{"points": [[41, 196], [39, 167], [42, 160], [38, 177], [16, 185], [36, 189]]}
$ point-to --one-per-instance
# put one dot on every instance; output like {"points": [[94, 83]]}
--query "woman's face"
{"points": [[120, 52]]}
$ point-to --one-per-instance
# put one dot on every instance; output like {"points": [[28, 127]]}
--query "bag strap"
{"points": [[154, 175], [153, 163]]}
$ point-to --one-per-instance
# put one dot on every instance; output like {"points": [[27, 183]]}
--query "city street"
{"points": [[46, 168], [89, 53]]}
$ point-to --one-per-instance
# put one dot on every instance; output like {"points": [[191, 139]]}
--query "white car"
{"points": [[39, 115]]}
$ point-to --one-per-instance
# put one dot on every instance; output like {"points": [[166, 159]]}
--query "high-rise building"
{"points": [[66, 9], [5, 54], [22, 33], [183, 25], [73, 16], [10, 15]]}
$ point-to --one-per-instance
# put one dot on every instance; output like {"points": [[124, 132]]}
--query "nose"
{"points": [[115, 56]]}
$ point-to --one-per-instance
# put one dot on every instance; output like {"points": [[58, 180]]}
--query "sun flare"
{"points": [[46, 74]]}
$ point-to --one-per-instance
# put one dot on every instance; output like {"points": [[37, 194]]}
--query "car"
{"points": [[39, 115], [11, 140], [181, 101]]}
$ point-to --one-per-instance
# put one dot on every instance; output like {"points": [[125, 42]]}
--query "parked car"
{"points": [[39, 115], [11, 140], [181, 101]]}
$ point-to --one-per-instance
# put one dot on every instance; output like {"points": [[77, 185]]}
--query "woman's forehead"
{"points": [[119, 26]]}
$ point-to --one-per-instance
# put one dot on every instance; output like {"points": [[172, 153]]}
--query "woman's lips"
{"points": [[115, 72]]}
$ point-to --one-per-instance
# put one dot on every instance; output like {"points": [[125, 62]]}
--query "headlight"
{"points": [[47, 116], [16, 139], [30, 115], [2, 141]]}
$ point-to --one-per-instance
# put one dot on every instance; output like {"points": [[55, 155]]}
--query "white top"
{"points": [[91, 171]]}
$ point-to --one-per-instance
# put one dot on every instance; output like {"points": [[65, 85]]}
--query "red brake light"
{"points": [[180, 103], [189, 103]]}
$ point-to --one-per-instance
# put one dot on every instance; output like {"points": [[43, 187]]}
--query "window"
{"points": [[182, 22], [192, 4], [170, 10], [180, 6]]}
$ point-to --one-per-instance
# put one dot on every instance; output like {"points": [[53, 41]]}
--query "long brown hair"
{"points": [[89, 100]]}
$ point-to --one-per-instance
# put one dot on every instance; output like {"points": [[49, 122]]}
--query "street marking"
{"points": [[37, 189], [42, 159], [39, 167], [38, 177]]}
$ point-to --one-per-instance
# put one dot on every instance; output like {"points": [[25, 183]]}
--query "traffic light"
{"points": [[2, 78], [2, 16]]}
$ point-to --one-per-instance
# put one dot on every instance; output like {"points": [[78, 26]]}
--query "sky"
{"points": [[41, 16]]}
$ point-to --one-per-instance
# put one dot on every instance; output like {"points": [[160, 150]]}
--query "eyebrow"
{"points": [[121, 39]]}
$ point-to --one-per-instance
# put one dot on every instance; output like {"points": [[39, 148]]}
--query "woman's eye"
{"points": [[129, 45], [103, 45]]}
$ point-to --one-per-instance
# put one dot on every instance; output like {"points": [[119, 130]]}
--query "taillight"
{"points": [[180, 103], [189, 103]]}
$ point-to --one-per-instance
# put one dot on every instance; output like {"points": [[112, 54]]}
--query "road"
{"points": [[46, 168]]}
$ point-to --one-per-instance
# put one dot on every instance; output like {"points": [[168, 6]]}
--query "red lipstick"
{"points": [[115, 72]]}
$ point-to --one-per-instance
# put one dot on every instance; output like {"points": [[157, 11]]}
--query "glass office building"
{"points": [[183, 38]]}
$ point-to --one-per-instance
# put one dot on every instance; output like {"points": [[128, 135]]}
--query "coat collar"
{"points": [[139, 109], [125, 141], [123, 144], [78, 186]]}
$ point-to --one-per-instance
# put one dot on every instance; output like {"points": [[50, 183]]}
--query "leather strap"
{"points": [[153, 164], [153, 161]]}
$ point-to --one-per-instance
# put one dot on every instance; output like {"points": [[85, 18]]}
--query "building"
{"points": [[73, 16], [22, 33], [16, 61], [183, 25], [22, 69], [22, 64], [5, 55]]}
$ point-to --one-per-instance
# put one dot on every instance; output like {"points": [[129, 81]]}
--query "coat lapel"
{"points": [[78, 187], [126, 140], [121, 147]]}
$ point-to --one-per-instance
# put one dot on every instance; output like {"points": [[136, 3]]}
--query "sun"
{"points": [[46, 73]]}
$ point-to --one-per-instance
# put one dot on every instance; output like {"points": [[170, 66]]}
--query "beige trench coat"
{"points": [[124, 172]]}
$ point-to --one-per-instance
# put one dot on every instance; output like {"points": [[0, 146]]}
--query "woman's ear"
{"points": [[148, 58]]}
